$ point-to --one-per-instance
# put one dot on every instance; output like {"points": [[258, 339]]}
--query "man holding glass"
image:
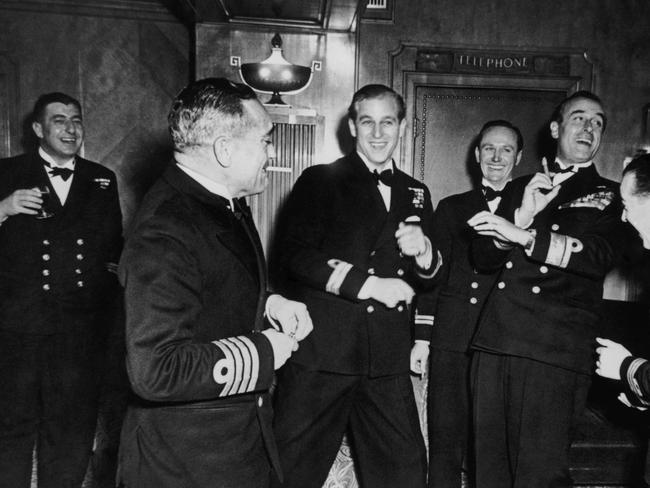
{"points": [[57, 295]]}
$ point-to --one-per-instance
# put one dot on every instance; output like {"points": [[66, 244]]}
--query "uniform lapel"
{"points": [[219, 219]]}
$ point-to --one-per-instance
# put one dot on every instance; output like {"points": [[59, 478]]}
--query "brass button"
{"points": [[46, 257], [80, 284], [400, 308], [46, 242], [501, 285], [46, 272], [372, 253], [555, 227], [371, 271], [80, 242], [260, 401], [400, 272], [536, 289], [370, 309], [543, 269], [474, 285], [78, 271], [80, 257], [46, 287], [509, 265], [473, 300]]}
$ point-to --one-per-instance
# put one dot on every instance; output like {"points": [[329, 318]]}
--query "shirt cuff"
{"points": [[523, 225]]}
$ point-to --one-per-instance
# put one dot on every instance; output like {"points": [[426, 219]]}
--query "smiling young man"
{"points": [[534, 342], [457, 303], [57, 298], [356, 249]]}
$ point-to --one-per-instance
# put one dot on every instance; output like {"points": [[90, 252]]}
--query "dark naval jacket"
{"points": [[545, 305], [195, 286], [56, 271], [337, 234]]}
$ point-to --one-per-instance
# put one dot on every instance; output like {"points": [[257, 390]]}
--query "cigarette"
{"points": [[279, 169], [545, 166]]}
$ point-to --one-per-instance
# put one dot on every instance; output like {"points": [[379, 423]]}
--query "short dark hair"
{"points": [[500, 123], [640, 168], [206, 108], [558, 113], [48, 98], [376, 91]]}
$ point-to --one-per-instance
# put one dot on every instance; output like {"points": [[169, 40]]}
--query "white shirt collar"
{"points": [[210, 185], [49, 159], [577, 166], [485, 182], [373, 167]]}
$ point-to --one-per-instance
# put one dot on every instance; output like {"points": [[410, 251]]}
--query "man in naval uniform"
{"points": [[57, 298], [458, 301], [534, 342], [356, 250], [200, 355]]}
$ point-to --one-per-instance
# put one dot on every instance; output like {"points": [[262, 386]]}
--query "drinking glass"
{"points": [[45, 211]]}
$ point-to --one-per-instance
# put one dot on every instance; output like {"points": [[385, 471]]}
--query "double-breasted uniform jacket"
{"points": [[195, 287], [462, 291], [545, 305], [338, 233], [54, 272]]}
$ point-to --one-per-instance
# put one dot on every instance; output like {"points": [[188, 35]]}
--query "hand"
{"points": [[282, 346], [25, 201], [622, 397], [410, 239], [391, 291], [610, 356], [535, 200], [293, 316], [419, 357], [488, 224]]}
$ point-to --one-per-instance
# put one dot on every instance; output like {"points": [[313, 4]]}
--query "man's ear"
{"points": [[38, 129], [222, 151], [555, 130], [353, 128], [477, 155], [402, 127], [518, 157]]}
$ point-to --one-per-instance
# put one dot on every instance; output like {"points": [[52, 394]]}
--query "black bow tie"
{"points": [[490, 193], [64, 173], [555, 168], [386, 177]]}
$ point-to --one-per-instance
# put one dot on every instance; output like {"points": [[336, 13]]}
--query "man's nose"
{"points": [[496, 156], [376, 131], [69, 126]]}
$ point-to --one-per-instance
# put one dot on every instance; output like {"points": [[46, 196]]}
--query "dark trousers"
{"points": [[524, 411], [48, 398], [448, 416], [314, 409]]}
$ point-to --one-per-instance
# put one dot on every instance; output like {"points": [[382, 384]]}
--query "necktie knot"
{"points": [[490, 193], [64, 173], [386, 177]]}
